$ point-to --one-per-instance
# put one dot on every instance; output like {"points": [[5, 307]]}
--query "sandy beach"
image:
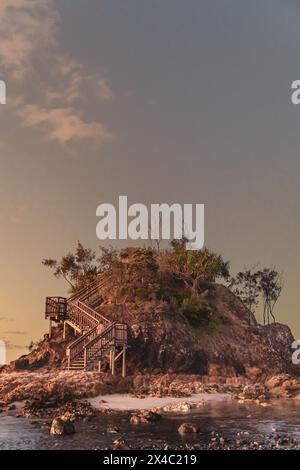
{"points": [[126, 402]]}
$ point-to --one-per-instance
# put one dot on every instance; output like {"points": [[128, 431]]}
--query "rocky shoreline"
{"points": [[56, 401], [60, 386]]}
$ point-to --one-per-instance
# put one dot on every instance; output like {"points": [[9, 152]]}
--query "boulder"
{"points": [[120, 444], [61, 427], [254, 392], [145, 417], [188, 428]]}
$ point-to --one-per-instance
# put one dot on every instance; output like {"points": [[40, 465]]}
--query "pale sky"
{"points": [[167, 101]]}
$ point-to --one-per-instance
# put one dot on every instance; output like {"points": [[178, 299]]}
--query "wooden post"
{"points": [[69, 359], [113, 361], [99, 366], [124, 362], [64, 333], [50, 328], [85, 358]]}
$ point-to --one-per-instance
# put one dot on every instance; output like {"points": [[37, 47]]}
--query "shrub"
{"points": [[196, 312]]}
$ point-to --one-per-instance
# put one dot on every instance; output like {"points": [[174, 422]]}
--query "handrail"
{"points": [[83, 314], [83, 289], [77, 346], [119, 334], [91, 312]]}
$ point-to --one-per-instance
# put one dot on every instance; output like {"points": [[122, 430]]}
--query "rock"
{"points": [[276, 380], [188, 428], [135, 419], [61, 427], [145, 417], [120, 444], [254, 392], [253, 373], [12, 407], [183, 406], [112, 429]]}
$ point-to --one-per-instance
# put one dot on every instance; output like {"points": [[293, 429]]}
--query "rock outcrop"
{"points": [[162, 340]]}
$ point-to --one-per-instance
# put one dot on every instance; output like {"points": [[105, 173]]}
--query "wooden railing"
{"points": [[93, 343], [76, 347], [56, 308]]}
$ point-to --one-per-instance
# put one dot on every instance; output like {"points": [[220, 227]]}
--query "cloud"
{"points": [[27, 27], [72, 84], [21, 333], [30, 52], [10, 345], [63, 124]]}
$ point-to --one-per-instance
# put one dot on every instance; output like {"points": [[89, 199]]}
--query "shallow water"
{"points": [[226, 418]]}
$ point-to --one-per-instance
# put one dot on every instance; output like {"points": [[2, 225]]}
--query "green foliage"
{"points": [[78, 268], [196, 266], [196, 312], [248, 286], [148, 291]]}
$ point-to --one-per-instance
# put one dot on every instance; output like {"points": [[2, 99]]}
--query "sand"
{"points": [[125, 402]]}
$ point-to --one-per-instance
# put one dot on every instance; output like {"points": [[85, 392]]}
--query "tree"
{"points": [[77, 269], [107, 258], [270, 283], [196, 266], [246, 286]]}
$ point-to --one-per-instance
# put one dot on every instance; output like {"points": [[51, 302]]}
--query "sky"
{"points": [[169, 101]]}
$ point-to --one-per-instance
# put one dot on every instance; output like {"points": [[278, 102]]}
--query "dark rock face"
{"points": [[161, 341]]}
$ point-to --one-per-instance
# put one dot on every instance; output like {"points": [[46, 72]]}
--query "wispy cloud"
{"points": [[62, 124], [10, 345], [18, 333], [28, 47], [27, 27]]}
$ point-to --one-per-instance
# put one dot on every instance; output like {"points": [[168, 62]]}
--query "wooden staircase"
{"points": [[98, 336]]}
